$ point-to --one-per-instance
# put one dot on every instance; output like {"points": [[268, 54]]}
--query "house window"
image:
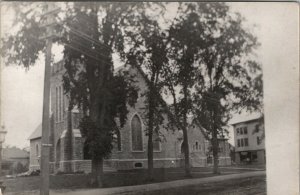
{"points": [[246, 141], [245, 130], [239, 143], [254, 156], [242, 142], [258, 140], [136, 134], [156, 141], [238, 131]]}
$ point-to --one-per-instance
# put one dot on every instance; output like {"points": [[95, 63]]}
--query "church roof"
{"points": [[37, 133]]}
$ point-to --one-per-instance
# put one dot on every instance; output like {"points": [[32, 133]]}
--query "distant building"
{"points": [[69, 152], [249, 141], [35, 148], [14, 160]]}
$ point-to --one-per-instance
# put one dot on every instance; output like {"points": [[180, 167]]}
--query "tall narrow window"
{"points": [[156, 141], [119, 140], [196, 145], [239, 143], [37, 152], [59, 103], [56, 104], [62, 103], [258, 140], [242, 142], [246, 141], [136, 134], [245, 130]]}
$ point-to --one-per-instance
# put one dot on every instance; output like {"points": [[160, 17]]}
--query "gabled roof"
{"points": [[37, 133], [247, 120]]}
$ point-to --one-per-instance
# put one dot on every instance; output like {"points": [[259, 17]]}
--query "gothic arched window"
{"points": [[136, 134], [37, 152]]}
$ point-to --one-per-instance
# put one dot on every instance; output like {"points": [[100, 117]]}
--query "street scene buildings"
{"points": [[135, 98], [130, 146]]}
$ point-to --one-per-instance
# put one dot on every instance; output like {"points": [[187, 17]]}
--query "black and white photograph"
{"points": [[172, 98]]}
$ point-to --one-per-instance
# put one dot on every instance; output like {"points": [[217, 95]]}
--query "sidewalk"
{"points": [[140, 189]]}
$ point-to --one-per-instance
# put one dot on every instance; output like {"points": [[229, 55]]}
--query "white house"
{"points": [[249, 141]]}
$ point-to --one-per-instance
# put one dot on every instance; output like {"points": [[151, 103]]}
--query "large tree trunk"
{"points": [[186, 153], [97, 172], [150, 156], [150, 143], [185, 134], [151, 107], [215, 146], [97, 161]]}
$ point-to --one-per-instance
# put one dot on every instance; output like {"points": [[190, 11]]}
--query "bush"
{"points": [[20, 168]]}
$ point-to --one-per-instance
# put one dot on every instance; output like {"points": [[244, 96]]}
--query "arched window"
{"points": [[37, 152], [196, 145], [136, 134], [182, 148]]}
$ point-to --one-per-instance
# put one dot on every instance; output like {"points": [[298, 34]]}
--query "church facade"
{"points": [[130, 148]]}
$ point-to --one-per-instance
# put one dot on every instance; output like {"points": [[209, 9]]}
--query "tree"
{"points": [[181, 73], [228, 77], [149, 55], [90, 79], [212, 73], [91, 34]]}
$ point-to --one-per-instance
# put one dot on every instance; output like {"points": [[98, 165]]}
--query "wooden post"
{"points": [[44, 187], [45, 149]]}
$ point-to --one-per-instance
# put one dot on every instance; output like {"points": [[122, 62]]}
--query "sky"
{"points": [[22, 91]]}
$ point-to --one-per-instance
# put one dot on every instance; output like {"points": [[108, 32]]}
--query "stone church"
{"points": [[68, 153]]}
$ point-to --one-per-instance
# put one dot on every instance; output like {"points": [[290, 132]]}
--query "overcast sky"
{"points": [[22, 91]]}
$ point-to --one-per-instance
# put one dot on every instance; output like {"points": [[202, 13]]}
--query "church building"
{"points": [[68, 153]]}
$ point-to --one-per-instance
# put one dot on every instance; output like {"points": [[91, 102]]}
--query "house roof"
{"points": [[247, 120], [14, 153], [37, 133]]}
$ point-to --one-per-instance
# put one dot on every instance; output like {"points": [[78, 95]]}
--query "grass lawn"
{"points": [[120, 178]]}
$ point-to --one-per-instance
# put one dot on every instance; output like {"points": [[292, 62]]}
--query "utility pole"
{"points": [[48, 21]]}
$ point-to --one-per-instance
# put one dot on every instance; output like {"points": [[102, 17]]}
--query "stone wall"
{"points": [[169, 154], [34, 158]]}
